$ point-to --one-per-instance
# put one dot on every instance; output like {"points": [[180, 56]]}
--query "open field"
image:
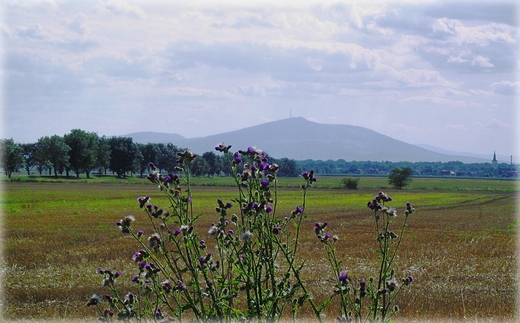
{"points": [[460, 245]]}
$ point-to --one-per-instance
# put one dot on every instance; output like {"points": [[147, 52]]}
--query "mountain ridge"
{"points": [[301, 139]]}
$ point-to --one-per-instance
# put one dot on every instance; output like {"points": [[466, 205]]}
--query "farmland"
{"points": [[460, 245]]}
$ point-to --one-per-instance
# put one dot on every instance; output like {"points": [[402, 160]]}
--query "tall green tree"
{"points": [[287, 167], [11, 156], [199, 166], [55, 151], [150, 153], [103, 154], [83, 151], [123, 152], [167, 158], [39, 156], [399, 178], [213, 163], [28, 151]]}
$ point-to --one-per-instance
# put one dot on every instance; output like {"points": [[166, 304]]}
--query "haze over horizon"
{"points": [[431, 72]]}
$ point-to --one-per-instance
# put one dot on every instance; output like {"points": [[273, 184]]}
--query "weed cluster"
{"points": [[250, 268]]}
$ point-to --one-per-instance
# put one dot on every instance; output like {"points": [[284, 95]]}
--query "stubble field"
{"points": [[460, 246]]}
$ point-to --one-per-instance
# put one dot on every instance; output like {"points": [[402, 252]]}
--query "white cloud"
{"points": [[494, 124], [35, 31], [118, 7], [79, 24], [481, 35], [32, 4], [435, 100], [456, 126], [481, 61], [506, 87], [456, 59]]}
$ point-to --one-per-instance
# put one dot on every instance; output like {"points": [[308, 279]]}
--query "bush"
{"points": [[250, 269], [350, 183]]}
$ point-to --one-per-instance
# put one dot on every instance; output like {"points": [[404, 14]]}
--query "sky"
{"points": [[424, 72]]}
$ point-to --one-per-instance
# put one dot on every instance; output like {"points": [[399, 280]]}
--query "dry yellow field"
{"points": [[460, 247]]}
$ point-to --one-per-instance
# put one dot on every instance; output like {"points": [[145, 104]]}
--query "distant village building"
{"points": [[494, 162]]}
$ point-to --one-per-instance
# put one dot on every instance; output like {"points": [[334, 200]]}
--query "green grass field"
{"points": [[330, 182], [460, 245]]}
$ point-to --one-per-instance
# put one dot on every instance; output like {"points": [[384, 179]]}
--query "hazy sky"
{"points": [[425, 72]]}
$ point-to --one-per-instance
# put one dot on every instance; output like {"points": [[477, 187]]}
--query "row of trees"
{"points": [[455, 168], [82, 152]]}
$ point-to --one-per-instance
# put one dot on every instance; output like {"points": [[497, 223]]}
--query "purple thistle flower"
{"points": [[237, 159], [181, 286], [264, 182], [166, 285], [407, 280], [298, 210], [142, 201], [138, 255], [269, 209], [343, 277], [124, 224]]}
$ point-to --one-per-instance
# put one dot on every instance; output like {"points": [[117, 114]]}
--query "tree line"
{"points": [[84, 152], [383, 168]]}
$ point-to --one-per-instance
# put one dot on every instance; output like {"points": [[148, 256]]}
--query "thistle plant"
{"points": [[247, 267], [372, 300], [246, 270]]}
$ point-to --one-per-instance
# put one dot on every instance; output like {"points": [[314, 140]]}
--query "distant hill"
{"points": [[300, 139]]}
